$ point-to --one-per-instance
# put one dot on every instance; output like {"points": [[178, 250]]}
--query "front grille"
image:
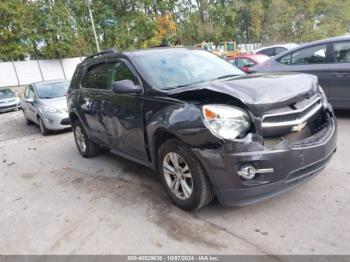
{"points": [[293, 117], [290, 116]]}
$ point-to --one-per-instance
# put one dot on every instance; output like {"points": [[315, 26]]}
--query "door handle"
{"points": [[340, 74]]}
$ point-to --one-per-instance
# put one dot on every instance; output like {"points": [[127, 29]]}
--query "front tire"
{"points": [[43, 130], [183, 177], [86, 147], [26, 120]]}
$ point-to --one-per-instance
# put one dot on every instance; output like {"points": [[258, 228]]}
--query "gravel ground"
{"points": [[55, 202]]}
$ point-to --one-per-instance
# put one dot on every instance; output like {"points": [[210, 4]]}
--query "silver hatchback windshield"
{"points": [[52, 90]]}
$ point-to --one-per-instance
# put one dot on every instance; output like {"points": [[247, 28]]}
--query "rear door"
{"points": [[339, 93], [92, 93]]}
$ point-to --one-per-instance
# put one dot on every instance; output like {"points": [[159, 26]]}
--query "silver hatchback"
{"points": [[44, 103]]}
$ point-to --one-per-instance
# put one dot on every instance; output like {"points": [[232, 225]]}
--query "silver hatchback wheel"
{"points": [[177, 175], [80, 138], [41, 126]]}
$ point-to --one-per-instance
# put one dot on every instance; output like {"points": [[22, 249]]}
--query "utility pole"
{"points": [[89, 2]]}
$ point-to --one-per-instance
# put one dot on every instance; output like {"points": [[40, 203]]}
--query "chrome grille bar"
{"points": [[294, 117]]}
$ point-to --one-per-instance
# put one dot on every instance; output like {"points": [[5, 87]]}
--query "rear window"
{"points": [[342, 52]]}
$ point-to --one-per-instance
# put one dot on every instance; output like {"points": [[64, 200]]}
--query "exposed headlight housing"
{"points": [[49, 109], [324, 98], [226, 122]]}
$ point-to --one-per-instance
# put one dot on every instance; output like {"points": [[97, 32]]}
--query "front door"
{"points": [[29, 107], [123, 113]]}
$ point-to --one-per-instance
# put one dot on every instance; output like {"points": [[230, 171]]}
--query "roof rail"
{"points": [[104, 52]]}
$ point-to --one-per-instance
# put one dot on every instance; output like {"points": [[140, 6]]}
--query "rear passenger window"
{"points": [[342, 52], [96, 77]]}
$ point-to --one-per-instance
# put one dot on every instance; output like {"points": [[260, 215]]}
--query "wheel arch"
{"points": [[159, 137]]}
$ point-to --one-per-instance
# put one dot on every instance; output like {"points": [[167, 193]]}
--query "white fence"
{"points": [[25, 72], [21, 73], [249, 48]]}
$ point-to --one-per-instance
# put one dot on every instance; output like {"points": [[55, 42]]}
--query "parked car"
{"points": [[274, 49], [9, 100], [202, 124], [328, 59], [44, 104], [246, 61]]}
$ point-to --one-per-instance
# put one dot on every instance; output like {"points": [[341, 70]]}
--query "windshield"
{"points": [[176, 68], [52, 90], [6, 93]]}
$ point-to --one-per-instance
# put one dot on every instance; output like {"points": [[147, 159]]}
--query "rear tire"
{"points": [[43, 130], [86, 147], [185, 181]]}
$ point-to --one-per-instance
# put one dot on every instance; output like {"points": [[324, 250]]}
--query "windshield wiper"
{"points": [[190, 84]]}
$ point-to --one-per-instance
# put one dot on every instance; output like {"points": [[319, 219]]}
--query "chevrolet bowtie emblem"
{"points": [[299, 127]]}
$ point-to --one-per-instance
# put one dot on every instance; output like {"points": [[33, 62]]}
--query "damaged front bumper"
{"points": [[291, 163]]}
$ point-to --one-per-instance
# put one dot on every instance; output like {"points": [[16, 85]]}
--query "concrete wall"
{"points": [[21, 73]]}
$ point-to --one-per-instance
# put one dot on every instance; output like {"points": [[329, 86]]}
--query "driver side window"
{"points": [[31, 93], [120, 71]]}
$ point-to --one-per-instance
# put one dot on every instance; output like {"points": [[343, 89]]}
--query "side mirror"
{"points": [[125, 87], [29, 100]]}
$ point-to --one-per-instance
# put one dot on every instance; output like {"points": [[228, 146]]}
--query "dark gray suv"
{"points": [[328, 59], [202, 124]]}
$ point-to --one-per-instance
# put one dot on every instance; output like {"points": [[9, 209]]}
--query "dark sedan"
{"points": [[328, 59]]}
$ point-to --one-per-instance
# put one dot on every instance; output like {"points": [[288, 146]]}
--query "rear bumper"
{"points": [[292, 164]]}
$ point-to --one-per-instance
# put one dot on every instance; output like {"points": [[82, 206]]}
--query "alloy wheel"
{"points": [[41, 126], [177, 175], [80, 138]]}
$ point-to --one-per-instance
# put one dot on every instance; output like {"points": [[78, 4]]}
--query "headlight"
{"points": [[49, 109], [324, 98], [226, 122]]}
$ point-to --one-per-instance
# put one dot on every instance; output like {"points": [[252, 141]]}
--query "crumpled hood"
{"points": [[261, 92], [58, 103]]}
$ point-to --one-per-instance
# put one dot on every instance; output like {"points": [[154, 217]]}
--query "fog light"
{"points": [[247, 172]]}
